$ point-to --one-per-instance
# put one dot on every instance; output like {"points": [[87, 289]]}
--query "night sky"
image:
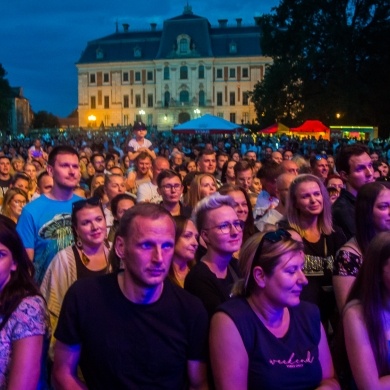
{"points": [[40, 41]]}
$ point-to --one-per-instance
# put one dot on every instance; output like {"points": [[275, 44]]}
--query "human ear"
{"points": [[259, 276], [204, 236], [120, 247]]}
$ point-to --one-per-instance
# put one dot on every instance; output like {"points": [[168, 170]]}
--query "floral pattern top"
{"points": [[29, 319], [347, 263]]}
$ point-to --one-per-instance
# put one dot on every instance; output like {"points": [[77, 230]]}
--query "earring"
{"points": [[79, 244]]}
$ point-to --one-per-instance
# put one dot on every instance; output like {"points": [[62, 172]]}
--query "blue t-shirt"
{"points": [[290, 362], [45, 226]]}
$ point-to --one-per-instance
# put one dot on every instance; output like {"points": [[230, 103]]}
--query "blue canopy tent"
{"points": [[207, 124]]}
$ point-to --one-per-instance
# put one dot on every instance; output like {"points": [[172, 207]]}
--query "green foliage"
{"points": [[45, 120], [5, 102], [330, 56]]}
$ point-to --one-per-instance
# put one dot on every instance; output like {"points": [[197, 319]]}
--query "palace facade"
{"points": [[168, 76]]}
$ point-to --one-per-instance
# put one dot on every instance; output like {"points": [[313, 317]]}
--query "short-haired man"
{"points": [[142, 173], [147, 192], [243, 172], [319, 166], [44, 184], [222, 157], [5, 176], [354, 165], [133, 329], [277, 157], [45, 225], [99, 163], [170, 187], [289, 166], [250, 155], [212, 278], [206, 161]]}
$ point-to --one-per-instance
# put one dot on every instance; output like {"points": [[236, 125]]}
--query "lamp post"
{"points": [[141, 112], [197, 112], [91, 120]]}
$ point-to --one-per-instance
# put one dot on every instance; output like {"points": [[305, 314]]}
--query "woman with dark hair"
{"points": [[266, 338], [186, 244], [309, 213], [371, 218], [88, 257], [227, 172], [23, 317], [243, 208], [366, 318], [119, 204]]}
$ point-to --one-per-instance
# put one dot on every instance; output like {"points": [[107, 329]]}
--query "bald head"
{"points": [[277, 157], [289, 166], [283, 183]]}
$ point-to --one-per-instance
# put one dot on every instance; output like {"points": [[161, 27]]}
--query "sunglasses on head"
{"points": [[321, 156]]}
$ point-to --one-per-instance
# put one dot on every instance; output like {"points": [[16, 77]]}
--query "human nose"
{"points": [[157, 255], [302, 279]]}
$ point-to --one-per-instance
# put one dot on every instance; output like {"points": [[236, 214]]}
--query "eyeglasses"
{"points": [[226, 227], [19, 202], [170, 187], [94, 201]]}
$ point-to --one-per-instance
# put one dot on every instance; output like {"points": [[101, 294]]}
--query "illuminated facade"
{"points": [[169, 76]]}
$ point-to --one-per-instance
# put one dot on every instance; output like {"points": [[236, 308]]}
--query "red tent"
{"points": [[312, 127], [276, 127]]}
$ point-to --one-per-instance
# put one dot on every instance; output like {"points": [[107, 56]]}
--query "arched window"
{"points": [[202, 98], [167, 98], [183, 45], [201, 72], [184, 97], [183, 73], [166, 73]]}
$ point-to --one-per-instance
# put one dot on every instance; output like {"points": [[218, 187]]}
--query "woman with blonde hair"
{"points": [[201, 186], [14, 201], [309, 213], [265, 337]]}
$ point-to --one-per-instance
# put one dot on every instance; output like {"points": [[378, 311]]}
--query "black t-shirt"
{"points": [[4, 185], [211, 290], [132, 346]]}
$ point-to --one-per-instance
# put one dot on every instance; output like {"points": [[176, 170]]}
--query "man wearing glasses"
{"points": [[213, 277], [170, 187]]}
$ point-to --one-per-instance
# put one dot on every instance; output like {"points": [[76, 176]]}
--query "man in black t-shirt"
{"points": [[133, 329]]}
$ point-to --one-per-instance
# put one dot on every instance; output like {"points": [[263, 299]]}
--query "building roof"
{"points": [[153, 44]]}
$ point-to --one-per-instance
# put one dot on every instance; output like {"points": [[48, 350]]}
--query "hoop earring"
{"points": [[79, 244]]}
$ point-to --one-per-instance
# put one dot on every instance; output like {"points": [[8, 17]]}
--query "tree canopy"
{"points": [[330, 62], [5, 101], [45, 120]]}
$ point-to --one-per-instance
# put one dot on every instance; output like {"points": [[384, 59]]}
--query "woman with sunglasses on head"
{"points": [[24, 322], [309, 213], [265, 337], [86, 258]]}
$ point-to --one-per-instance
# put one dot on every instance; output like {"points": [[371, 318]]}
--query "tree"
{"points": [[45, 120], [5, 101], [329, 56]]}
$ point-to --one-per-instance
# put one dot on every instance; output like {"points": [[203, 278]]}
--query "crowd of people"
{"points": [[198, 263]]}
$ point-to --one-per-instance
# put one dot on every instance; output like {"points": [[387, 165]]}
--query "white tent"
{"points": [[207, 124]]}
